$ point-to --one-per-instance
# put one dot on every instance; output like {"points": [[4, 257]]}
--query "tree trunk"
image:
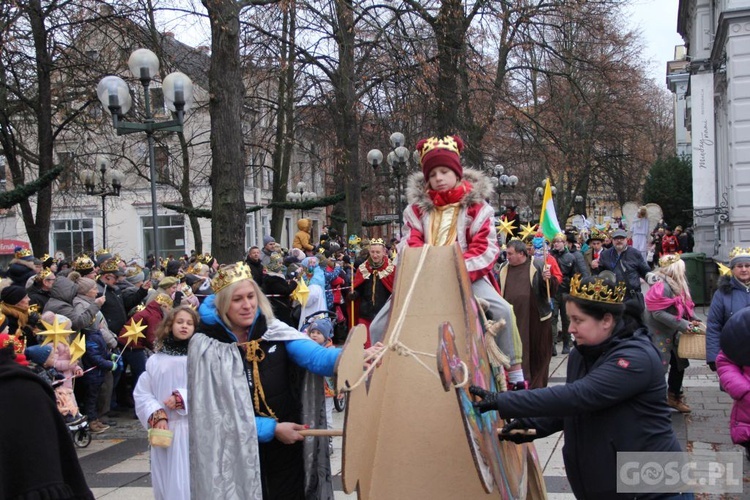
{"points": [[38, 230], [225, 107], [345, 120], [187, 201]]}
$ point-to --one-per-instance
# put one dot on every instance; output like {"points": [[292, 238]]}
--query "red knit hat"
{"points": [[441, 152]]}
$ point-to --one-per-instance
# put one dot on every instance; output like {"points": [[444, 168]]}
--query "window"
{"points": [[171, 235], [66, 179], [161, 160], [265, 224], [250, 236], [72, 236], [157, 101]]}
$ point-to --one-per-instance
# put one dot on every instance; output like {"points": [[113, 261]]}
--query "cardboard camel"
{"points": [[405, 435]]}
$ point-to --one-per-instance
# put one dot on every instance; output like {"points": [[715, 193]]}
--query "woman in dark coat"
{"points": [[278, 289], [612, 401]]}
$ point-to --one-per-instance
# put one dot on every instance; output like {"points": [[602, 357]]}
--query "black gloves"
{"points": [[488, 402], [34, 318], [516, 431], [177, 300]]}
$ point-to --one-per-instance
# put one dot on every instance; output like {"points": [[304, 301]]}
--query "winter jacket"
{"points": [[629, 266], [19, 271], [302, 238], [278, 289], [304, 352], [581, 267], [538, 286], [735, 380], [567, 263], [117, 305], [96, 355], [730, 296], [256, 268], [37, 295], [150, 317], [664, 325], [613, 400], [475, 222], [61, 302]]}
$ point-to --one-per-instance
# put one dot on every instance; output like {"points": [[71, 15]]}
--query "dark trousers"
{"points": [[92, 387], [136, 359], [675, 376]]}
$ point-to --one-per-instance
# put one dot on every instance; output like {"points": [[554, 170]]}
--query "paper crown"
{"points": [[195, 268], [20, 253], [46, 257], [668, 259], [43, 274], [83, 263], [231, 274], [205, 258], [133, 270], [739, 252], [109, 266], [448, 142], [354, 239], [377, 241], [598, 291], [102, 251], [163, 300]]}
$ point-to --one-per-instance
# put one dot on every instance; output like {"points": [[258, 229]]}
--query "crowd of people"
{"points": [[231, 358]]}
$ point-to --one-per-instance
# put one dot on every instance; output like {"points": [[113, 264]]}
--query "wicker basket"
{"points": [[160, 438], [692, 346]]}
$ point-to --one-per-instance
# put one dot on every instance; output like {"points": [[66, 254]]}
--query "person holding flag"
{"points": [[527, 283]]}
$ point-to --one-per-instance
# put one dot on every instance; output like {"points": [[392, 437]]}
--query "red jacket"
{"points": [[151, 315]]}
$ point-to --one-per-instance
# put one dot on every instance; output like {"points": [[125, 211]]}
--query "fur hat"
{"points": [[324, 326], [441, 152]]}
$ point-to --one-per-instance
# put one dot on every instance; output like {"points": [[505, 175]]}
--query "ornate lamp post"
{"points": [[398, 160], [300, 195], [109, 183], [114, 95], [501, 181]]}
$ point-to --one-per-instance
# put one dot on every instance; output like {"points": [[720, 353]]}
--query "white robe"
{"points": [[170, 467]]}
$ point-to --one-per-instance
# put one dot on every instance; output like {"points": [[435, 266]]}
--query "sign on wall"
{"points": [[703, 139]]}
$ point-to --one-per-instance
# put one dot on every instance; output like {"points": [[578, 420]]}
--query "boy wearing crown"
{"points": [[447, 205]]}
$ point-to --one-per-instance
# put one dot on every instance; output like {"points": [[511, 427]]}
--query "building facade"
{"points": [[711, 83]]}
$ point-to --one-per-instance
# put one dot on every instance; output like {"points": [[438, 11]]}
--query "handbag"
{"points": [[160, 437], [692, 344]]}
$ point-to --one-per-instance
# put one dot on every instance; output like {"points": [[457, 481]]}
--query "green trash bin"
{"points": [[696, 276]]}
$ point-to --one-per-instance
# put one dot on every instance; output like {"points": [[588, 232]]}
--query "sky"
{"points": [[657, 19]]}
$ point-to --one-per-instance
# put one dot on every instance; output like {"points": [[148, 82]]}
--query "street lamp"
{"points": [[301, 195], [579, 204], [501, 181], [114, 94], [108, 184], [398, 160]]}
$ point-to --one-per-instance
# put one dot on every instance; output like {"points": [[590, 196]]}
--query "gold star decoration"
{"points": [[77, 348], [55, 333], [301, 293], [527, 230], [724, 270], [133, 331], [506, 226]]}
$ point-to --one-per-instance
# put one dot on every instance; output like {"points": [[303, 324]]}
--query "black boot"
{"points": [[554, 349], [566, 344]]}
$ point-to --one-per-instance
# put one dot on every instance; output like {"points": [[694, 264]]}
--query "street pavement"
{"points": [[116, 463]]}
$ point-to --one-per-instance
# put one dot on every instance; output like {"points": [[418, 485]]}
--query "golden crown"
{"points": [[163, 300], [133, 270], [598, 291], [668, 259], [102, 251], [34, 308], [45, 257], [186, 290], [109, 266], [83, 262], [44, 274], [195, 268], [231, 274], [377, 241], [205, 258], [23, 252], [738, 252], [446, 142]]}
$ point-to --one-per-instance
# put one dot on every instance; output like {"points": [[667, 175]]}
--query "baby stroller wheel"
{"points": [[339, 402], [82, 438]]}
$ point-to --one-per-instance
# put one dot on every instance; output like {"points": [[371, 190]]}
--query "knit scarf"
{"points": [[21, 313], [174, 347], [454, 195], [656, 301]]}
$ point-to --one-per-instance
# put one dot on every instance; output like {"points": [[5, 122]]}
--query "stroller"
{"points": [[339, 401]]}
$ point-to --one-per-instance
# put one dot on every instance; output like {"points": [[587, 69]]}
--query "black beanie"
{"points": [[12, 294]]}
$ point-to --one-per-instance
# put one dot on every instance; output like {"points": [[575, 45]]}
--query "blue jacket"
{"points": [[97, 355], [613, 400], [730, 297], [305, 353]]}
